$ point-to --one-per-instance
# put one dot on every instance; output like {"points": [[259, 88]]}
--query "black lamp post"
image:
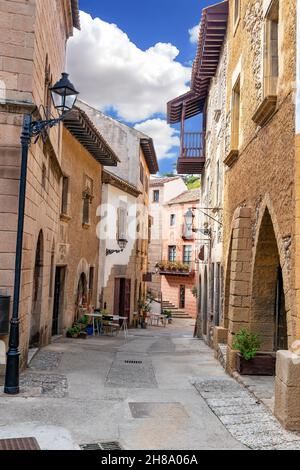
{"points": [[64, 97]]}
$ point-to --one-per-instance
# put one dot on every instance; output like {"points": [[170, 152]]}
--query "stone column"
{"points": [[240, 278], [287, 390]]}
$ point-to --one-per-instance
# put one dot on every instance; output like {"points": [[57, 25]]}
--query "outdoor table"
{"points": [[115, 318]]}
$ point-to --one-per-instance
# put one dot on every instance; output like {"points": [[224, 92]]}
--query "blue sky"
{"points": [[146, 24]]}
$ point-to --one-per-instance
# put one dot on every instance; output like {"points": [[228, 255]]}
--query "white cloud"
{"points": [[194, 34], [164, 136], [110, 71]]}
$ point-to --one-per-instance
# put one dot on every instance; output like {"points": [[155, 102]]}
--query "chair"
{"points": [[109, 326]]}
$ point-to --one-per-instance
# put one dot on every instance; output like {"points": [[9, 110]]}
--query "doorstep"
{"points": [[262, 387]]}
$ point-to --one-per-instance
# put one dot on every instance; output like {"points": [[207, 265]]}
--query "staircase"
{"points": [[176, 312]]}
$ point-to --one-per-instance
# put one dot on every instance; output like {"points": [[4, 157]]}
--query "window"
{"points": [[44, 176], [271, 55], [155, 196], [237, 9], [172, 220], [122, 221], [146, 184], [142, 174], [86, 210], [218, 184], [236, 115], [172, 253], [91, 282], [64, 196], [87, 200], [187, 254]]}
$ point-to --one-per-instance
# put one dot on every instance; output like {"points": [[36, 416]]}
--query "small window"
{"points": [[91, 282], [142, 174], [187, 254], [156, 196], [64, 196], [86, 210], [172, 253], [172, 220], [271, 55], [236, 116], [122, 221], [146, 184], [44, 176], [237, 9]]}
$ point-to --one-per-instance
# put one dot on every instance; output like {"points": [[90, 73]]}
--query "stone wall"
{"points": [[31, 31], [262, 179], [78, 244]]}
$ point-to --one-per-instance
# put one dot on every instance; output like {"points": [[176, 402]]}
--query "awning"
{"points": [[213, 30]]}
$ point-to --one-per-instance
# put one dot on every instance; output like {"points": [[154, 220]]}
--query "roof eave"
{"points": [[150, 154], [81, 127]]}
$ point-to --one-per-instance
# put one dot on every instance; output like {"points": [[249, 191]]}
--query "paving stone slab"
{"points": [[229, 402], [242, 419], [247, 419], [238, 410], [131, 372]]}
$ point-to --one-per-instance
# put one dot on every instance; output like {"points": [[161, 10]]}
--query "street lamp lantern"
{"points": [[64, 94], [122, 243], [189, 219]]}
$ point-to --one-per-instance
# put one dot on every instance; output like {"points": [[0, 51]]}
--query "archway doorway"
{"points": [[268, 312], [37, 291], [81, 295]]}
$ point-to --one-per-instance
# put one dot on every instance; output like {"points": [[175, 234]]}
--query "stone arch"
{"points": [[81, 286], [37, 292], [270, 284]]}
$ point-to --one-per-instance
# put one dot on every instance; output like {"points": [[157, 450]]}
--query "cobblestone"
{"points": [[46, 360], [247, 420], [51, 386]]}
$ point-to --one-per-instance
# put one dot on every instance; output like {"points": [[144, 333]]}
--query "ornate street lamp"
{"points": [[189, 220], [122, 242], [64, 96]]}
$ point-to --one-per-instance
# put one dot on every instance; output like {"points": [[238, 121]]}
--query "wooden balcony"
{"points": [[191, 160]]}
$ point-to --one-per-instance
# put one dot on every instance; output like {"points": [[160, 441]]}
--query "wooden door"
{"points": [[127, 300], [117, 297]]}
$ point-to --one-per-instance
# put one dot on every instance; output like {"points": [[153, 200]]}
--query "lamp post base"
{"points": [[12, 373]]}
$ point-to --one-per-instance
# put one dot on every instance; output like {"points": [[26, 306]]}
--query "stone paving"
{"points": [[244, 416], [50, 386]]}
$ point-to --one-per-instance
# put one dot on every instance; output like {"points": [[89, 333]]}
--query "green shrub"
{"points": [[167, 313], [247, 343]]}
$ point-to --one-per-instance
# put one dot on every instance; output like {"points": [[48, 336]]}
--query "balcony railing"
{"points": [[192, 158]]}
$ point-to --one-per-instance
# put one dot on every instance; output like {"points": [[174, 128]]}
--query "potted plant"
{"points": [[249, 360], [168, 315], [73, 332]]}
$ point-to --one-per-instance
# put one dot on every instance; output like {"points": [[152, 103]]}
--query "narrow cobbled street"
{"points": [[162, 389]]}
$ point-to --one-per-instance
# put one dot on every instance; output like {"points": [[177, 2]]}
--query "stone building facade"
{"points": [[33, 38], [260, 230], [124, 214], [162, 190], [179, 250], [73, 285], [211, 205]]}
